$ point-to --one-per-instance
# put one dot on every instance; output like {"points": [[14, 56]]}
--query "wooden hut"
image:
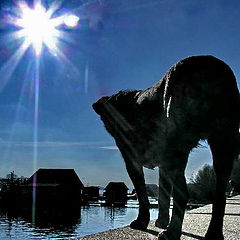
{"points": [[91, 193], [116, 193], [54, 186]]}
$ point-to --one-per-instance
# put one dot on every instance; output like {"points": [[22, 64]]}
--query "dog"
{"points": [[197, 99]]}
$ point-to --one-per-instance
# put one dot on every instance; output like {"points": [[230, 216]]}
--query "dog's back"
{"points": [[196, 99], [200, 92]]}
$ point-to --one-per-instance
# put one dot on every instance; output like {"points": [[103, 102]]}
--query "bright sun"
{"points": [[39, 28]]}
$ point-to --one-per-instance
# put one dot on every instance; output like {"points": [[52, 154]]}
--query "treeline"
{"points": [[201, 187]]}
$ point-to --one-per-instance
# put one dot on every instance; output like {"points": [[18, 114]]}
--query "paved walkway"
{"points": [[194, 227]]}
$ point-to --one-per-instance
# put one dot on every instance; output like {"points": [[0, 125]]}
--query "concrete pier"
{"points": [[194, 227]]}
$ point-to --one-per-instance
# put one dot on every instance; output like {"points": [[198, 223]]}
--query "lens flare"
{"points": [[71, 20]]}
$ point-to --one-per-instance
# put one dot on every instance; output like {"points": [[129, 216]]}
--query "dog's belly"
{"points": [[167, 143]]}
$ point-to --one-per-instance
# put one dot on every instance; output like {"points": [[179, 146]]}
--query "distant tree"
{"points": [[236, 171], [202, 186], [235, 176], [11, 175]]}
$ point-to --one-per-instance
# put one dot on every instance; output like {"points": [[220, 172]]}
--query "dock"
{"points": [[195, 225]]}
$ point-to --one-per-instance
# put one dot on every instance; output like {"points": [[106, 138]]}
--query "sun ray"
{"points": [[8, 68], [35, 134], [14, 127], [86, 78], [54, 7], [13, 36], [65, 60]]}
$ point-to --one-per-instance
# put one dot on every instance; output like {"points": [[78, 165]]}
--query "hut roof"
{"points": [[49, 177], [116, 185]]}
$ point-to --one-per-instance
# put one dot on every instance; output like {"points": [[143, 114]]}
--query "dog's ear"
{"points": [[99, 104], [124, 102], [124, 98]]}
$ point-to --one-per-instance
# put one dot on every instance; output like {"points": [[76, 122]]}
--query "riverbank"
{"points": [[194, 227]]}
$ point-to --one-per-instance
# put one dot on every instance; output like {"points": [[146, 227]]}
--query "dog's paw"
{"points": [[139, 224], [160, 223], [166, 235], [210, 235]]}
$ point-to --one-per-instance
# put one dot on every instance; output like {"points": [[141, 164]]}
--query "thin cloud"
{"points": [[109, 147], [53, 144]]}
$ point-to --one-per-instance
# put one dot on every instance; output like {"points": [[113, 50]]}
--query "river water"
{"points": [[62, 224]]}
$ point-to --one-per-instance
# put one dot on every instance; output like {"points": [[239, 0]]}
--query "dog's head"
{"points": [[132, 123], [118, 112]]}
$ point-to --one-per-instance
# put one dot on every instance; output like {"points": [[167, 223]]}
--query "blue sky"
{"points": [[119, 44]]}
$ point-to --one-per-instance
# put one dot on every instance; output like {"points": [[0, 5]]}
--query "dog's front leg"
{"points": [[136, 174], [165, 188], [180, 198]]}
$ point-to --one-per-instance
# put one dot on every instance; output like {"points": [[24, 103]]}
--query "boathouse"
{"points": [[54, 186], [116, 193], [91, 193]]}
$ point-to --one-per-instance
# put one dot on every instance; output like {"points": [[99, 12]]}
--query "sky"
{"points": [[117, 44]]}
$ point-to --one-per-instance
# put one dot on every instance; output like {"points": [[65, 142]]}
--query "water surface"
{"points": [[64, 224]]}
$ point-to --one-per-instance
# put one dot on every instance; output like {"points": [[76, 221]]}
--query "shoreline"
{"points": [[195, 225]]}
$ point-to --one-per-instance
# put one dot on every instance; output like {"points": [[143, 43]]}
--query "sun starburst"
{"points": [[38, 27]]}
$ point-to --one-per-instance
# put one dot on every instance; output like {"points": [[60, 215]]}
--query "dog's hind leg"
{"points": [[136, 174], [224, 150]]}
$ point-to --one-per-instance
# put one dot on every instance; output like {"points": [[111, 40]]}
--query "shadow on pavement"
{"points": [[192, 235], [155, 233]]}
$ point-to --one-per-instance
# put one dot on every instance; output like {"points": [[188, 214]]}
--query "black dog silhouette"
{"points": [[197, 98]]}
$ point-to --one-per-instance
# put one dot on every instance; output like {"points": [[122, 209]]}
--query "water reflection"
{"points": [[112, 213], [65, 218], [46, 221], [63, 221]]}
